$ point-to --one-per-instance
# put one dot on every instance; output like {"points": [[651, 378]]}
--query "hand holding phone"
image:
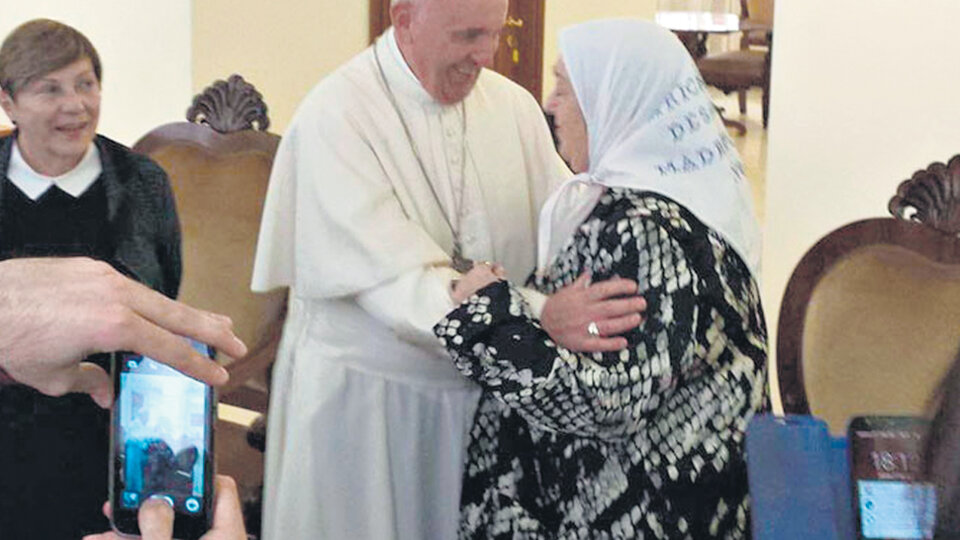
{"points": [[158, 520], [162, 444]]}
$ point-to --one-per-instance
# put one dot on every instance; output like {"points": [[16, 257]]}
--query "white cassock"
{"points": [[368, 417]]}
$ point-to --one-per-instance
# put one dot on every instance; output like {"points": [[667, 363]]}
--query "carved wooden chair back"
{"points": [[219, 165], [870, 319]]}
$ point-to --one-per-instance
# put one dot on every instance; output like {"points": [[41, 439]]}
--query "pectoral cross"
{"points": [[460, 263]]}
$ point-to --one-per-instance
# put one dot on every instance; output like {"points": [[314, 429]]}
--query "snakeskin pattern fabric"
{"points": [[646, 442]]}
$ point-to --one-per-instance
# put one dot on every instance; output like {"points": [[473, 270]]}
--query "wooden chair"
{"points": [[219, 164], [870, 318], [756, 23], [747, 67]]}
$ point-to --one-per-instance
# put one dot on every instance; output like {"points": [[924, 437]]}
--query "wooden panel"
{"points": [[379, 18], [520, 56]]}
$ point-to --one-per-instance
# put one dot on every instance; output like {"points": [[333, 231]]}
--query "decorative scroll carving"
{"points": [[229, 106], [931, 197]]}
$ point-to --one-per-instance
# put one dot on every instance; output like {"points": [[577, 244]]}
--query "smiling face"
{"points": [[56, 116], [568, 121], [447, 42]]}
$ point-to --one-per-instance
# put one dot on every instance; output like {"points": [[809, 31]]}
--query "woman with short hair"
{"points": [[66, 191]]}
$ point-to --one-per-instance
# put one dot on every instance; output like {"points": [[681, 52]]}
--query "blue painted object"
{"points": [[799, 480]]}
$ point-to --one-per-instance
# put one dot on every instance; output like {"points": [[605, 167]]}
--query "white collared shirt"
{"points": [[76, 181]]}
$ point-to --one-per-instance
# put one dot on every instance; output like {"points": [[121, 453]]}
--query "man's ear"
{"points": [[401, 17]]}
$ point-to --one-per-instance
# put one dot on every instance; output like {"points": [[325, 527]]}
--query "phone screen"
{"points": [[162, 443], [891, 502]]}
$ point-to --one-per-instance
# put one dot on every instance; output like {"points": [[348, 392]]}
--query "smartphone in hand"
{"points": [[891, 500], [161, 444]]}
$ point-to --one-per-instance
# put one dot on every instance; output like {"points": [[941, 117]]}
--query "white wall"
{"points": [[863, 94], [145, 48]]}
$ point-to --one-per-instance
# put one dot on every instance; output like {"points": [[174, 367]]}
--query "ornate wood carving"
{"points": [[230, 106], [931, 197]]}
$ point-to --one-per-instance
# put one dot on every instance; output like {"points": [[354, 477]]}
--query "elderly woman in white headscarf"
{"points": [[646, 441]]}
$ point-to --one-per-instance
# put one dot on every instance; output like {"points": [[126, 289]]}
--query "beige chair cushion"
{"points": [[219, 199], [881, 328]]}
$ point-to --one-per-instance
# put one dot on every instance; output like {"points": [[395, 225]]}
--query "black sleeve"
{"points": [[496, 342]]}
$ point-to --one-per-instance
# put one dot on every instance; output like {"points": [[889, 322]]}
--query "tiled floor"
{"points": [[752, 145]]}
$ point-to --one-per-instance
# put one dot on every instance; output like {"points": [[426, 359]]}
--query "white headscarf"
{"points": [[651, 125]]}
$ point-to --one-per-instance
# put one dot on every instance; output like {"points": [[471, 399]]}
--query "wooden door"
{"points": [[520, 55], [379, 18]]}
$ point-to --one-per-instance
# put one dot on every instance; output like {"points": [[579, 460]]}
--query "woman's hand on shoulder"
{"points": [[481, 275], [589, 317]]}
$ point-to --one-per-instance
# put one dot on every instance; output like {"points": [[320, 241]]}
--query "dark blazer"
{"points": [[141, 213]]}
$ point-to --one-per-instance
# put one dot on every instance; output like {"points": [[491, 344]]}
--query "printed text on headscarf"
{"points": [[688, 116]]}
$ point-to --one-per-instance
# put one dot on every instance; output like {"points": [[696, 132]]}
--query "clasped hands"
{"points": [[583, 316], [479, 276]]}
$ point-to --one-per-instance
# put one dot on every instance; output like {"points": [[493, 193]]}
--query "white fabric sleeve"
{"points": [[535, 299], [412, 303]]}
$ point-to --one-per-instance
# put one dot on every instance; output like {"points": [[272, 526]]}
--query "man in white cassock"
{"points": [[398, 169]]}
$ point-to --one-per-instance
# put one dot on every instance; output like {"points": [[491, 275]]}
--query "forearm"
{"points": [[412, 303], [535, 299], [496, 342]]}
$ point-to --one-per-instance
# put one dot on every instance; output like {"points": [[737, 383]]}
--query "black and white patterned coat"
{"points": [[646, 442]]}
